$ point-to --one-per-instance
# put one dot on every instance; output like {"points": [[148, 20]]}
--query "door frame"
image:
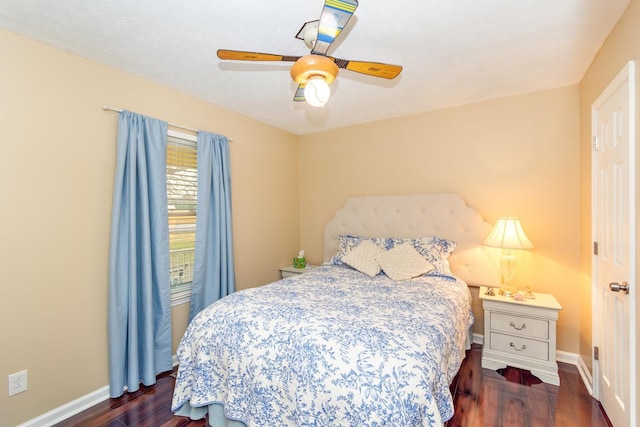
{"points": [[627, 74]]}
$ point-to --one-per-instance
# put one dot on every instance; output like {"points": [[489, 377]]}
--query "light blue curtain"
{"points": [[213, 271], [139, 315]]}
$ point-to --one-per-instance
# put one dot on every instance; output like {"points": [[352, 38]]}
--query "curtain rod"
{"points": [[119, 110]]}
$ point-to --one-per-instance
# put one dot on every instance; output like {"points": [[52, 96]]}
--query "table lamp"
{"points": [[507, 234]]}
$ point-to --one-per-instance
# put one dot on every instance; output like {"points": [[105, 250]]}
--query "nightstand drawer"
{"points": [[520, 346], [534, 328], [285, 274]]}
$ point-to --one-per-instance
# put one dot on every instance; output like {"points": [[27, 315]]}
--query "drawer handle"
{"points": [[524, 325], [524, 347]]}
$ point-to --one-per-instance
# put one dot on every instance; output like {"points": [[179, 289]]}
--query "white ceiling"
{"points": [[453, 51]]}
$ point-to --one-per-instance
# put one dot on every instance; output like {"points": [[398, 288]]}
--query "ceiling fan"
{"points": [[315, 72]]}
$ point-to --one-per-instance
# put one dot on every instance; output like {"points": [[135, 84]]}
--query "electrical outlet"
{"points": [[17, 382]]}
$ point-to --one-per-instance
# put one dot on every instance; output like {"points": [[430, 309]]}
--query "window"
{"points": [[182, 181]]}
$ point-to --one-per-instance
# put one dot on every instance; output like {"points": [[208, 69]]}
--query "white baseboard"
{"points": [[478, 339], [566, 357], [68, 410], [586, 376]]}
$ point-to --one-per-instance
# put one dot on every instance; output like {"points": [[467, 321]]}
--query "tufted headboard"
{"points": [[444, 215]]}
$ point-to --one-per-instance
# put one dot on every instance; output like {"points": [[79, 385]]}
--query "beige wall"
{"points": [[515, 156], [525, 155], [56, 175], [621, 46]]}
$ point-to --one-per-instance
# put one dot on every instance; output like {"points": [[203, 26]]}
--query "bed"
{"points": [[343, 344]]}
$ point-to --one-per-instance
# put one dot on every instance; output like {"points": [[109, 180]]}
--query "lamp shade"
{"points": [[507, 233]]}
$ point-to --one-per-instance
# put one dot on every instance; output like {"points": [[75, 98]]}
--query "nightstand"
{"points": [[521, 334], [290, 270]]}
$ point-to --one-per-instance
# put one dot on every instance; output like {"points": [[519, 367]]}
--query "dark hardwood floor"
{"points": [[515, 398], [483, 398]]}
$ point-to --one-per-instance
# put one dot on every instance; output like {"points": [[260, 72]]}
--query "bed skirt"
{"points": [[216, 415]]}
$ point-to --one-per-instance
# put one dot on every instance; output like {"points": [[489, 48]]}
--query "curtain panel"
{"points": [[139, 296], [213, 273]]}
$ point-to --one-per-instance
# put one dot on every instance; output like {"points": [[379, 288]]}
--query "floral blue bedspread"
{"points": [[331, 347]]}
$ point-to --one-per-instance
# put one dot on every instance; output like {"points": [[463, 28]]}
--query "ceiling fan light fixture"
{"points": [[315, 72], [318, 36], [314, 65], [317, 91]]}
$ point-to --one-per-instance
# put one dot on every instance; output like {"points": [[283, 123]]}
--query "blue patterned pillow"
{"points": [[434, 249]]}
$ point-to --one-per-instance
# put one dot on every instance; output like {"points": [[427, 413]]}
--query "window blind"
{"points": [[182, 182]]}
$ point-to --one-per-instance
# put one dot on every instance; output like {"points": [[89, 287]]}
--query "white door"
{"points": [[613, 118]]}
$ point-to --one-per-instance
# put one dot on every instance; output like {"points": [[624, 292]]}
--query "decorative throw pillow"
{"points": [[403, 262], [348, 242], [363, 258]]}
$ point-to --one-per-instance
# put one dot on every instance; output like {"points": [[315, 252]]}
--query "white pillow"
{"points": [[363, 258], [403, 262]]}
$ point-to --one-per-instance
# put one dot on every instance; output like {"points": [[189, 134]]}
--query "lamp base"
{"points": [[508, 263]]}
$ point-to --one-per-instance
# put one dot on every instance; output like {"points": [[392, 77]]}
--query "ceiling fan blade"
{"points": [[376, 69], [335, 15], [240, 55], [299, 95]]}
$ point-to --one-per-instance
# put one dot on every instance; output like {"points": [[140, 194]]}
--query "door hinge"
{"points": [[596, 353], [595, 248], [594, 142]]}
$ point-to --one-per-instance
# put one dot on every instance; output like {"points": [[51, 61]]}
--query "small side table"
{"points": [[521, 334], [290, 270]]}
